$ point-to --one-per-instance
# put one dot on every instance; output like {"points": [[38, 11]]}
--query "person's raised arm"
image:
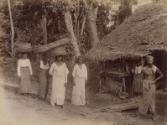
{"points": [[18, 68], [41, 64], [51, 69], [30, 67], [66, 72], [86, 72], [74, 71]]}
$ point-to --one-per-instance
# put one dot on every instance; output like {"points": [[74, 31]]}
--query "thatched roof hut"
{"points": [[144, 31]]}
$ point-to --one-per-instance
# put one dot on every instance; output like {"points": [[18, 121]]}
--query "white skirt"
{"points": [[78, 94], [58, 90]]}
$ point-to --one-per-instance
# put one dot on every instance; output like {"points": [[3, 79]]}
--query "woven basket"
{"points": [[23, 47]]}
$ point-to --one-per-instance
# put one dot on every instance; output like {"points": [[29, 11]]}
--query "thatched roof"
{"points": [[145, 30]]}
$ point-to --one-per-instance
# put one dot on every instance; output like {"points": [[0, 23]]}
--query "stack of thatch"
{"points": [[23, 47], [56, 47], [145, 30], [58, 51]]}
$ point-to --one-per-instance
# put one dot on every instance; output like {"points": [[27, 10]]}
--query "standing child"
{"points": [[80, 77], [24, 71]]}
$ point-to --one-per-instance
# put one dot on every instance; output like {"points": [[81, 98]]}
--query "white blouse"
{"points": [[23, 63], [154, 68], [44, 66], [138, 69], [59, 70], [80, 71]]}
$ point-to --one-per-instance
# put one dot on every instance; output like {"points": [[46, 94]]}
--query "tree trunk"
{"points": [[69, 25], [12, 28], [83, 26], [91, 17], [44, 27], [125, 11]]}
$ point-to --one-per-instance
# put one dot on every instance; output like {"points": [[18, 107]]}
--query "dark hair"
{"points": [[58, 56], [19, 55], [148, 58], [78, 59], [138, 62], [24, 53], [44, 59]]}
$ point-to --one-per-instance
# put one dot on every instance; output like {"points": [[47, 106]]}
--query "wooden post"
{"points": [[122, 61], [12, 28], [123, 82]]}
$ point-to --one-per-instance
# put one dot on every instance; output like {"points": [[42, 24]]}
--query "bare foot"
{"points": [[154, 118]]}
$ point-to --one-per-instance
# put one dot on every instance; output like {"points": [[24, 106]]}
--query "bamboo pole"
{"points": [[12, 28]]}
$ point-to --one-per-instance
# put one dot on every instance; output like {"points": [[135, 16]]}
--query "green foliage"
{"points": [[27, 17]]}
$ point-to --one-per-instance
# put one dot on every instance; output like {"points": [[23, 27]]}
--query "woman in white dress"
{"points": [[80, 77], [24, 72], [59, 72]]}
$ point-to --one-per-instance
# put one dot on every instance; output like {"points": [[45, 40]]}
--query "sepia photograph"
{"points": [[83, 62]]}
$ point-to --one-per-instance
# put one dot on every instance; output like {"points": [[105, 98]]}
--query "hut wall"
{"points": [[112, 66], [94, 69], [160, 60], [111, 83]]}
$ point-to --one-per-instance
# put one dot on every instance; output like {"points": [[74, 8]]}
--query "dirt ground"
{"points": [[16, 109]]}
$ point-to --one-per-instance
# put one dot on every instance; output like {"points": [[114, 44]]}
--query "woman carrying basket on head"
{"points": [[149, 87]]}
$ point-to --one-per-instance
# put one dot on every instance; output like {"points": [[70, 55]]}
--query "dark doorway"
{"points": [[160, 59]]}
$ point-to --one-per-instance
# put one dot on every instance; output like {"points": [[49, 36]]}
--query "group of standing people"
{"points": [[144, 82], [59, 74]]}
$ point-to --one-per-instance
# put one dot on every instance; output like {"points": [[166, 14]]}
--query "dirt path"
{"points": [[19, 110], [23, 110]]}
